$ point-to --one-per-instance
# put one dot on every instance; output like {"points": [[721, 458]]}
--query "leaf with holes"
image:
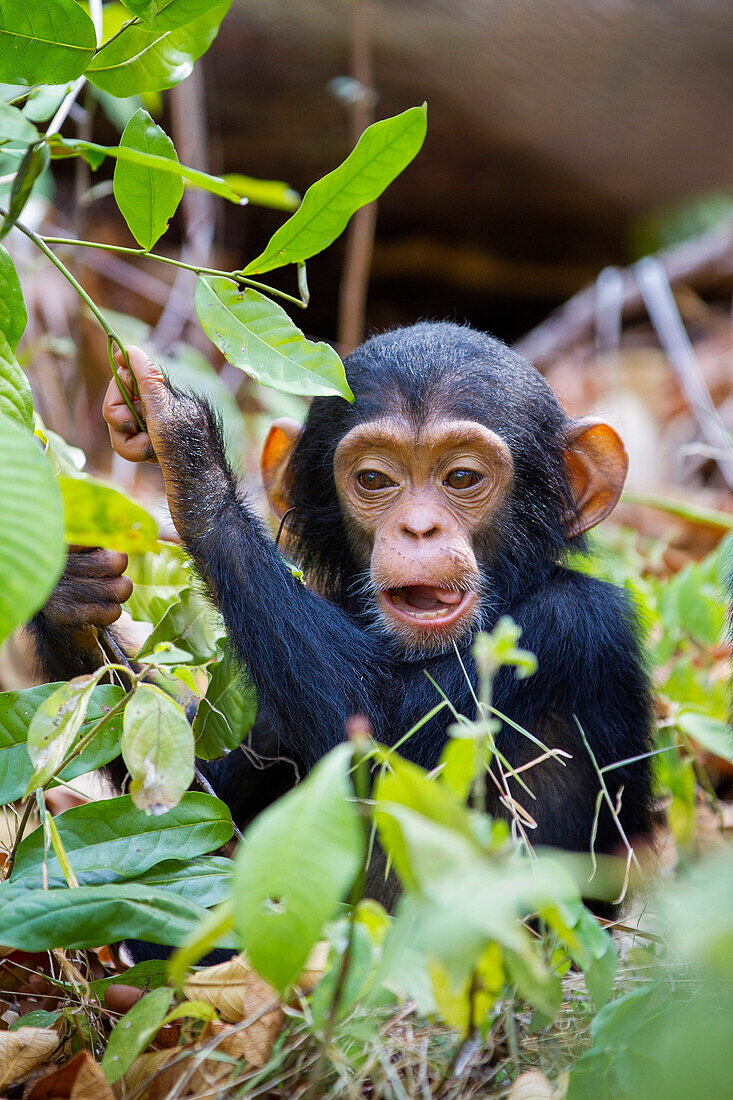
{"points": [[44, 43], [258, 337], [16, 711], [147, 199], [32, 551], [299, 860], [54, 728], [157, 746], [382, 152]]}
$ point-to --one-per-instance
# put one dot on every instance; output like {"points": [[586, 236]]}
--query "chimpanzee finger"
{"points": [[95, 562], [78, 613]]}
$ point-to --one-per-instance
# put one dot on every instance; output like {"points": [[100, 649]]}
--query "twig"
{"points": [[360, 237]]}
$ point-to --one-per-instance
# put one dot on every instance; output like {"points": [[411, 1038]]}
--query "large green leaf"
{"points": [[94, 154], [226, 713], [382, 152], [88, 916], [110, 840], [32, 550], [13, 316], [298, 860], [167, 14], [46, 42], [142, 59], [100, 515], [147, 199], [16, 710], [258, 337], [206, 880], [134, 1031], [157, 746], [16, 399]]}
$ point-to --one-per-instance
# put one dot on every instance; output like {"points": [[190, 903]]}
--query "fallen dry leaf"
{"points": [[532, 1085], [24, 1050], [79, 1079], [237, 991]]}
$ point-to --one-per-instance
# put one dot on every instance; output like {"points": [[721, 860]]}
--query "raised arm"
{"points": [[312, 666]]}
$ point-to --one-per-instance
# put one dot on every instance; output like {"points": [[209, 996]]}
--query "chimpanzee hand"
{"points": [[89, 592], [87, 596], [154, 406], [182, 434]]}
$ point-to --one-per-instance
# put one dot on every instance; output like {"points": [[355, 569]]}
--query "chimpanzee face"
{"points": [[415, 500]]}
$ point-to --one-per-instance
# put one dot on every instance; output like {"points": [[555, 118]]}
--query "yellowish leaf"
{"points": [[24, 1050]]}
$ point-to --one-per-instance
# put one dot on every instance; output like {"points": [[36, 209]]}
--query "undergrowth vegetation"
{"points": [[491, 962]]}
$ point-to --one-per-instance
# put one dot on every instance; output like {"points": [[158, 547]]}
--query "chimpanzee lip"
{"points": [[444, 605]]}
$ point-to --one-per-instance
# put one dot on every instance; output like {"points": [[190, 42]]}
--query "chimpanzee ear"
{"points": [[597, 463], [281, 439]]}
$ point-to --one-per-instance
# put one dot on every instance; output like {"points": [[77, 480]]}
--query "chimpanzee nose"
{"points": [[420, 523]]}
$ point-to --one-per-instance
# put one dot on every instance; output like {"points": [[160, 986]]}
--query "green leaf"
{"points": [[16, 710], [191, 624], [13, 316], [382, 152], [713, 734], [33, 163], [461, 759], [147, 199], [167, 14], [149, 974], [409, 785], [258, 337], [54, 728], [88, 916], [95, 154], [226, 713], [44, 43], [134, 1031], [100, 515], [148, 60], [111, 840], [32, 550], [157, 746], [206, 880], [272, 193], [298, 860], [16, 399], [15, 127]]}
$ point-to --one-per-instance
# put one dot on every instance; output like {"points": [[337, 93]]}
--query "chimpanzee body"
{"points": [[319, 654]]}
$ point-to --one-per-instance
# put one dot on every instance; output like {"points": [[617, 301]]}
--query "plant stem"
{"points": [[233, 276], [128, 23], [18, 837], [111, 334]]}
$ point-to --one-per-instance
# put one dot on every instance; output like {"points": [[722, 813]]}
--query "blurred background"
{"points": [[567, 140]]}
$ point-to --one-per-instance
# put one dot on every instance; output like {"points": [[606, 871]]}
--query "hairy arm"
{"points": [[312, 666]]}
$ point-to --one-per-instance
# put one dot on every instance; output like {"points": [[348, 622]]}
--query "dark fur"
{"points": [[315, 659]]}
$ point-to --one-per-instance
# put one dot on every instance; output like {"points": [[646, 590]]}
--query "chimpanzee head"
{"points": [[454, 480]]}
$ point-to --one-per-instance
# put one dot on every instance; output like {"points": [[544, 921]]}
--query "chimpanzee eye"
{"points": [[462, 479], [374, 479]]}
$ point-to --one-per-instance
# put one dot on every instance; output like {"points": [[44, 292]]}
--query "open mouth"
{"points": [[427, 604]]}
